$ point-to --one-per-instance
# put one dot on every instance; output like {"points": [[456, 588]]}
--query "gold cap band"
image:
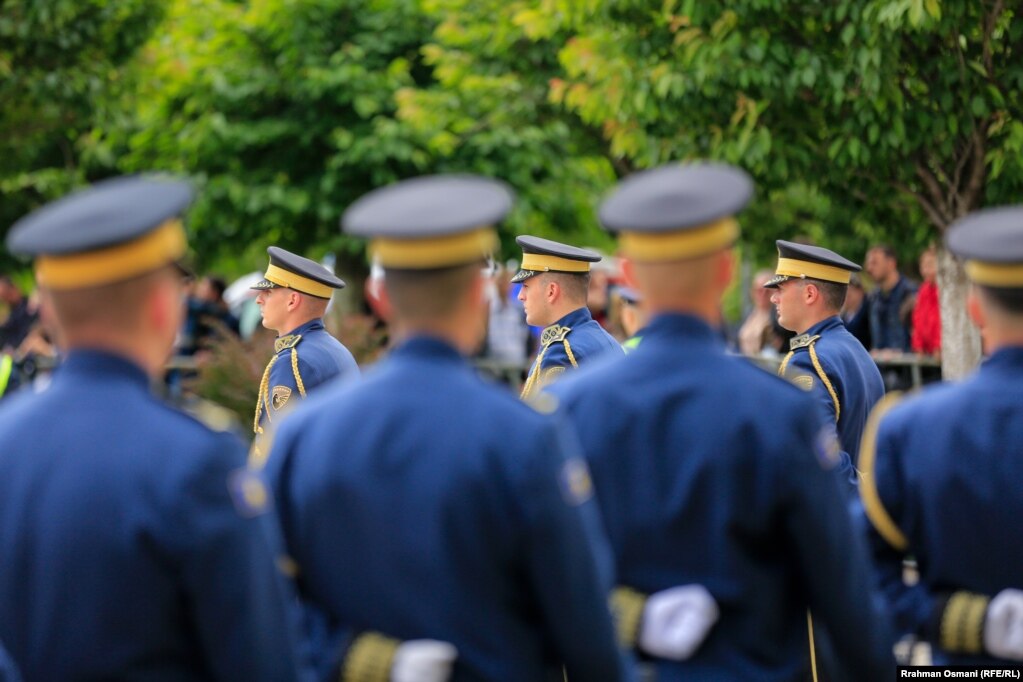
{"points": [[680, 244], [801, 268], [434, 252], [1005, 275], [293, 280], [162, 246], [543, 262]]}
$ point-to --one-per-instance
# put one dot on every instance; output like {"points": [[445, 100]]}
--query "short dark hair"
{"points": [[416, 294], [575, 285], [887, 250], [833, 293], [1008, 300]]}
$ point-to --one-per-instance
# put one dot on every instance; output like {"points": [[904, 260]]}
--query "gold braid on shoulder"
{"points": [[256, 428], [827, 382], [568, 351], [534, 375], [294, 369]]}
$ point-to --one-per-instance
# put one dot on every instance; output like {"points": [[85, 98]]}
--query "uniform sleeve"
{"points": [[803, 374], [832, 558], [882, 509], [331, 650], [244, 608], [569, 560]]}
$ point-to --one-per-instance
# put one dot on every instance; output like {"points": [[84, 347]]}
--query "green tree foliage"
{"points": [[283, 110], [860, 120], [60, 61]]}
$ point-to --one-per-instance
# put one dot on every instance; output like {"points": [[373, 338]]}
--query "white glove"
{"points": [[423, 660], [1003, 625], [676, 621]]}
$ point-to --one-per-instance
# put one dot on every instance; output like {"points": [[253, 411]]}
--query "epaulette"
{"points": [[286, 342], [553, 334], [802, 341]]}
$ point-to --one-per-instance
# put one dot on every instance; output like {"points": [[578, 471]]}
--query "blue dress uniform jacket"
{"points": [[573, 340], [423, 502], [126, 555], [305, 358], [947, 472], [835, 367], [706, 473]]}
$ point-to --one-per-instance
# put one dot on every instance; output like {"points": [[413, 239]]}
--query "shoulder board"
{"points": [[286, 342], [802, 341], [554, 333]]}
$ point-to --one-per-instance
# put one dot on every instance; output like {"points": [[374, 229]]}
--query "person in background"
{"points": [[507, 332], [756, 334], [633, 317], [891, 302], [21, 315], [555, 280], [856, 311], [942, 471], [825, 359], [927, 311], [293, 296], [713, 475]]}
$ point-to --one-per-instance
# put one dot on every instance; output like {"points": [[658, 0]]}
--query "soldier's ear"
{"points": [[975, 308]]}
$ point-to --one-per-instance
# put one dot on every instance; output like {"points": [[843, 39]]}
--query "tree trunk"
{"points": [[960, 341]]}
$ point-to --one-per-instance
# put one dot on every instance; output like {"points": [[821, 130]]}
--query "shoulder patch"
{"points": [[286, 342], [802, 341], [248, 492], [804, 381], [542, 402], [279, 396], [576, 484], [553, 333]]}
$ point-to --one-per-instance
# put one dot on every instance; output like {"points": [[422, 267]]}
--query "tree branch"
{"points": [[935, 216], [934, 190]]}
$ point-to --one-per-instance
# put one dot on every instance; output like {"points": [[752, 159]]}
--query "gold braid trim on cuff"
{"points": [[369, 659], [627, 606], [962, 623]]}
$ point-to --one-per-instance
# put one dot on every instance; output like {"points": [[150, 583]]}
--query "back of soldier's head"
{"points": [[432, 236], [101, 252]]}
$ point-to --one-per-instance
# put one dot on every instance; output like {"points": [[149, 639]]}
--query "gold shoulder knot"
{"points": [[286, 342], [553, 334], [802, 341]]}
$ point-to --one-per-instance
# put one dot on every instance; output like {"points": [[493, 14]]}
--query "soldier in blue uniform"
{"points": [[425, 502], [555, 279], [710, 471], [134, 543], [293, 297], [825, 359], [942, 472]]}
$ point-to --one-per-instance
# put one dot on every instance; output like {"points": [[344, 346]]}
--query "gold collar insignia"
{"points": [[802, 341], [286, 342], [552, 334]]}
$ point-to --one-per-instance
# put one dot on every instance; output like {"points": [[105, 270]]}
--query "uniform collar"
{"points": [[430, 347], [574, 318], [98, 363], [674, 325], [311, 325], [1009, 357], [828, 323]]}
